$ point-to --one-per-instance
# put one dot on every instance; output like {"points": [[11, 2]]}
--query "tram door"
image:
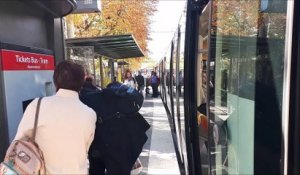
{"points": [[201, 74], [247, 91]]}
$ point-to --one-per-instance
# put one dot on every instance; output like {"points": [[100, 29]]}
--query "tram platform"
{"points": [[158, 156]]}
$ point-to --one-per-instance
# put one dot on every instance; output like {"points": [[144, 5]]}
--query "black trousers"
{"points": [[140, 88], [155, 90], [98, 166]]}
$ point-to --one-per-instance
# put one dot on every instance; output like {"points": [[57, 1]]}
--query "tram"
{"points": [[230, 83]]}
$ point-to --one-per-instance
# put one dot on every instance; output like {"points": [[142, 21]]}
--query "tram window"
{"points": [[202, 58], [247, 51], [201, 82], [167, 78], [180, 107]]}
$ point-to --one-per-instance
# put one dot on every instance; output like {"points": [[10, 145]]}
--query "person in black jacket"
{"points": [[88, 86], [140, 82], [154, 80], [120, 129]]}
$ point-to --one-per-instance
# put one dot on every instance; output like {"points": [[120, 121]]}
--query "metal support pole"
{"points": [[94, 68], [112, 69], [123, 72], [101, 71]]}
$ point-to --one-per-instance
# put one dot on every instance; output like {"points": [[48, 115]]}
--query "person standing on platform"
{"points": [[154, 80], [129, 80], [120, 130], [66, 126], [140, 82], [89, 83]]}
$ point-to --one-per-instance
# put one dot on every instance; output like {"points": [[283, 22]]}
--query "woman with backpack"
{"points": [[65, 127]]}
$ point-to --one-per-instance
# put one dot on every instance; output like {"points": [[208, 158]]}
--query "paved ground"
{"points": [[158, 156]]}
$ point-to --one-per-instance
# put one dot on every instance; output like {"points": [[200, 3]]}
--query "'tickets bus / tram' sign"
{"points": [[17, 60]]}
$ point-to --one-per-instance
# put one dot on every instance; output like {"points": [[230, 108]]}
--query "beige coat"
{"points": [[65, 131]]}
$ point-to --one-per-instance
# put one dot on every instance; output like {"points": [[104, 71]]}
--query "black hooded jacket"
{"points": [[120, 129]]}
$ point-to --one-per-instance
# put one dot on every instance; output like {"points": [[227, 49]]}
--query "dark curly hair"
{"points": [[69, 75]]}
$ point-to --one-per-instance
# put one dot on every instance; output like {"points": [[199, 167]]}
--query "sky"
{"points": [[164, 23]]}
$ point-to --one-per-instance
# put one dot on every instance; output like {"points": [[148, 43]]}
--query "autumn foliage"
{"points": [[116, 18]]}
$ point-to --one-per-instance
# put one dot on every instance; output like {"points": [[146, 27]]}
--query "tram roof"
{"points": [[114, 46]]}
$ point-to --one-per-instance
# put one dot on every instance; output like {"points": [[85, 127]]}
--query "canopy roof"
{"points": [[121, 63], [115, 46]]}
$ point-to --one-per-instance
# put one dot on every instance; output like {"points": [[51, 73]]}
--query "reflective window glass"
{"points": [[202, 118], [246, 63]]}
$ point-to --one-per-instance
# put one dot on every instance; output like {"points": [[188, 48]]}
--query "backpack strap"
{"points": [[36, 118]]}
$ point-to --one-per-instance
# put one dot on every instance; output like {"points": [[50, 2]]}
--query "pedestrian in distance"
{"points": [[148, 83], [140, 82], [154, 80], [89, 86], [129, 80], [66, 126], [114, 79]]}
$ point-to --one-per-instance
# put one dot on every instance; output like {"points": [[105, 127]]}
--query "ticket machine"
{"points": [[25, 73]]}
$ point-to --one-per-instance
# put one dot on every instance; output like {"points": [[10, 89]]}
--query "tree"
{"points": [[117, 17]]}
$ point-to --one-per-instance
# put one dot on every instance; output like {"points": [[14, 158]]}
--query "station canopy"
{"points": [[114, 46]]}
